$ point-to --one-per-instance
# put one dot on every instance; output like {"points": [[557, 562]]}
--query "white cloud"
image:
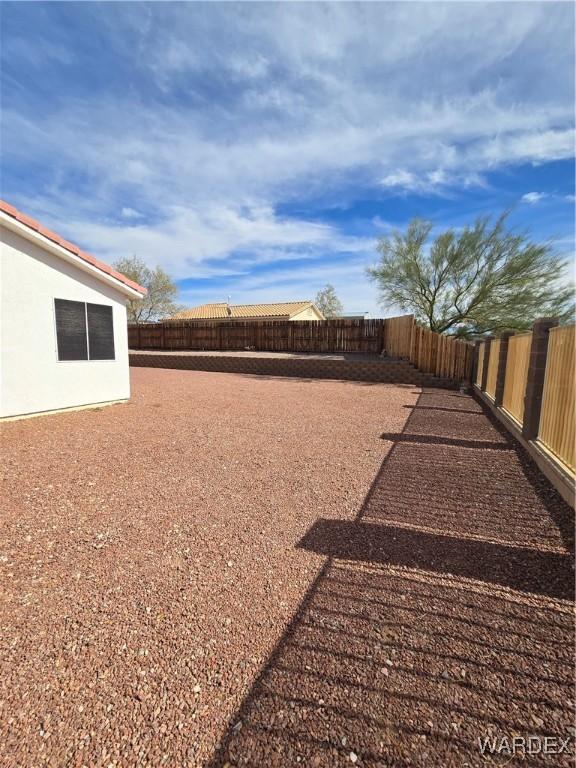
{"points": [[211, 240], [533, 197], [437, 182], [130, 213], [403, 179], [528, 146], [229, 112]]}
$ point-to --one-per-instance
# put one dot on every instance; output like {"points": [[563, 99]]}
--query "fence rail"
{"points": [[401, 337]]}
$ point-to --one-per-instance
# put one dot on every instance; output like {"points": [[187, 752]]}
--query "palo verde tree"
{"points": [[482, 279], [328, 302], [159, 301]]}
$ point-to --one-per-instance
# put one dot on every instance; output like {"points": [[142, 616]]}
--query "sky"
{"points": [[259, 150]]}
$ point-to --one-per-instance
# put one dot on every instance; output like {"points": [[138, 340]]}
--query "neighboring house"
{"points": [[290, 310], [63, 327]]}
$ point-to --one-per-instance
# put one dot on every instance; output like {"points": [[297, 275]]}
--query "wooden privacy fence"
{"points": [[264, 336], [532, 379], [443, 356], [557, 418], [431, 352]]}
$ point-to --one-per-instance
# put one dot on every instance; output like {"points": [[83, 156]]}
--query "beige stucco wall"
{"points": [[32, 379], [307, 314]]}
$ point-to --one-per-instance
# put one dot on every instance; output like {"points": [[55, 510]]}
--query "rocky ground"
{"points": [[251, 571]]}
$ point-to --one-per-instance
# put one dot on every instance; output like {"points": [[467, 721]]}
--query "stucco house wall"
{"points": [[307, 314], [32, 379]]}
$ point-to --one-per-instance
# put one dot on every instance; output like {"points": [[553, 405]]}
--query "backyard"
{"points": [[242, 570]]}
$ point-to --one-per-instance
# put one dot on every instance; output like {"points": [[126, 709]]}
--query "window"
{"points": [[84, 331], [71, 330], [100, 332]]}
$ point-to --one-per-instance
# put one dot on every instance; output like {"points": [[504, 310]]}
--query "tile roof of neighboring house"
{"points": [[220, 310], [74, 249]]}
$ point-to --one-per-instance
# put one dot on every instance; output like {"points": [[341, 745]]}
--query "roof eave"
{"points": [[35, 237]]}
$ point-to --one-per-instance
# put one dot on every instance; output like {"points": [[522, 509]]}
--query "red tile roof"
{"points": [[47, 233]]}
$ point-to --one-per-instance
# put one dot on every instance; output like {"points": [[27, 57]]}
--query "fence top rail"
{"points": [[268, 321]]}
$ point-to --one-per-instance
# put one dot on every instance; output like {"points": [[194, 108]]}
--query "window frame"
{"points": [[88, 359]]}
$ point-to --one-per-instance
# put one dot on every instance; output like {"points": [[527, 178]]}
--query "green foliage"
{"points": [[159, 301], [328, 302], [482, 279]]}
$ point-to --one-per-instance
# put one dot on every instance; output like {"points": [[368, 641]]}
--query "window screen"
{"points": [[71, 330], [84, 331], [100, 332]]}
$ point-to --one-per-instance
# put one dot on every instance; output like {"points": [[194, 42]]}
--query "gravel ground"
{"points": [[148, 560], [284, 565], [443, 614]]}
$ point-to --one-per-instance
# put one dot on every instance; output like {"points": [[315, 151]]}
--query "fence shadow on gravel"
{"points": [[519, 568], [442, 614], [401, 437]]}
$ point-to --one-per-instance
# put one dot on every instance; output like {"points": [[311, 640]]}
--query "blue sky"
{"points": [[259, 150]]}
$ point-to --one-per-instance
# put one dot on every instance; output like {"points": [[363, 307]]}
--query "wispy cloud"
{"points": [[533, 197], [203, 122], [130, 213]]}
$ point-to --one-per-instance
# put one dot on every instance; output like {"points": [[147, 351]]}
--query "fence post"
{"points": [[380, 343], [411, 339], [535, 378], [485, 362], [501, 372], [476, 355], [138, 336]]}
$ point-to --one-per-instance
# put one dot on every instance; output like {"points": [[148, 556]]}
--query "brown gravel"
{"points": [[443, 613], [286, 564], [148, 555]]}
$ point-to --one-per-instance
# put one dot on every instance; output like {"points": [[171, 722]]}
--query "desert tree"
{"points": [[328, 302], [481, 279], [159, 301]]}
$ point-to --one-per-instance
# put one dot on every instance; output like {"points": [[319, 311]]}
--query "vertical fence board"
{"points": [[493, 367], [516, 375], [557, 421]]}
